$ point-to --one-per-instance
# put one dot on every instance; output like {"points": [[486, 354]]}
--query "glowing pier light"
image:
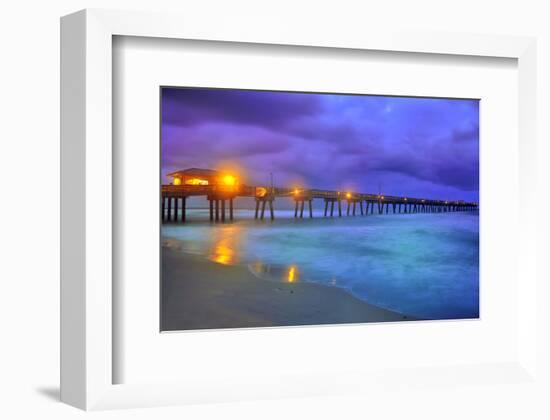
{"points": [[261, 192], [229, 180], [348, 195], [177, 181]]}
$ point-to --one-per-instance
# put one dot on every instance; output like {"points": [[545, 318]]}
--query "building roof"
{"points": [[195, 172]]}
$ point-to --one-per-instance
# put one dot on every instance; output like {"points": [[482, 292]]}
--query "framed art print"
{"points": [[272, 215]]}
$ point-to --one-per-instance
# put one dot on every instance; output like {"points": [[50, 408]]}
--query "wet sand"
{"points": [[201, 294]]}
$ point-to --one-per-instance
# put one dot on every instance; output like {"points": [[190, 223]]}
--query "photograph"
{"points": [[282, 208]]}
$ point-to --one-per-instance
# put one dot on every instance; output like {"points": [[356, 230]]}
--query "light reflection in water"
{"points": [[223, 254], [225, 246]]}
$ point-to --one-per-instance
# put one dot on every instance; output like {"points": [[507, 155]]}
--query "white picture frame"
{"points": [[86, 187]]}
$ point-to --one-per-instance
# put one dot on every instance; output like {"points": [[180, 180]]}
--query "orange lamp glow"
{"points": [[348, 195], [229, 180], [196, 181], [261, 192], [177, 181]]}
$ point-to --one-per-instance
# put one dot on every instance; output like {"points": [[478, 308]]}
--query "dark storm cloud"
{"points": [[194, 106], [408, 146]]}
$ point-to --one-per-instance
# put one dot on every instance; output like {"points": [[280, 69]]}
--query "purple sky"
{"points": [[415, 147]]}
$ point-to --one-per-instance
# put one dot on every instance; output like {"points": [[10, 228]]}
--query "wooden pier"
{"points": [[221, 202]]}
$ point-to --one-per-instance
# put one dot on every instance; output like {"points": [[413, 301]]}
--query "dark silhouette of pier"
{"points": [[336, 203]]}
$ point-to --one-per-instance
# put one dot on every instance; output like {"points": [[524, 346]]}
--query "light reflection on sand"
{"points": [[225, 250], [292, 275], [286, 274]]}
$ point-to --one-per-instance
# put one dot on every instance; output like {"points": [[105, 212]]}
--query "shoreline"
{"points": [[200, 294]]}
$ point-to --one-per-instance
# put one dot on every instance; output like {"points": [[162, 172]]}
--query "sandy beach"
{"points": [[201, 294]]}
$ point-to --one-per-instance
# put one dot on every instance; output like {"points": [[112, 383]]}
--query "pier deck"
{"points": [[221, 202]]}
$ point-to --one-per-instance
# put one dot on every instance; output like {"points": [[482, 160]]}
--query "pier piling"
{"points": [[263, 210], [271, 213], [183, 209], [169, 218]]}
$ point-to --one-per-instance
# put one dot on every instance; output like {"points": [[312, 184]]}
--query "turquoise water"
{"points": [[422, 265]]}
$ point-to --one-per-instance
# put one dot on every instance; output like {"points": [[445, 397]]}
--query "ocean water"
{"points": [[421, 265]]}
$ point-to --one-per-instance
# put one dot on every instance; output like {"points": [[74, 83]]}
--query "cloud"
{"points": [[419, 146], [187, 107]]}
